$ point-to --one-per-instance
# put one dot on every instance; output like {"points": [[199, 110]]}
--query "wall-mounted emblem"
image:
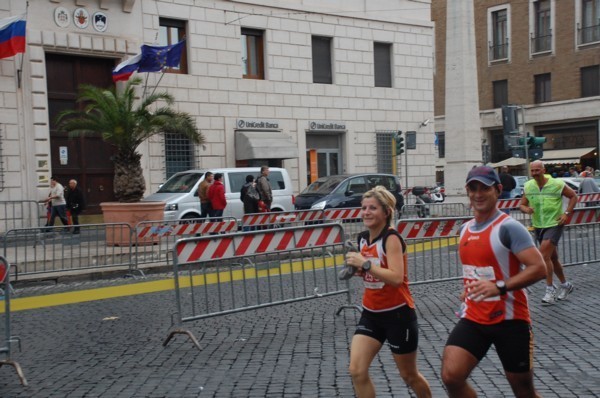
{"points": [[81, 18], [100, 21], [62, 17]]}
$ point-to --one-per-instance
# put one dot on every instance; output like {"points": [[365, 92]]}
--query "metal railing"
{"points": [[541, 43], [6, 337], [220, 275], [588, 34], [498, 51], [20, 214]]}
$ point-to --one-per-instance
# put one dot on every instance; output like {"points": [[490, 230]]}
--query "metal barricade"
{"points": [[218, 275], [19, 214], [52, 250], [432, 248], [280, 219], [435, 210], [579, 243], [154, 239], [6, 335], [349, 218], [588, 200]]}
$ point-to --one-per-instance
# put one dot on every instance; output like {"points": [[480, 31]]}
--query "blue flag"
{"points": [[155, 58]]}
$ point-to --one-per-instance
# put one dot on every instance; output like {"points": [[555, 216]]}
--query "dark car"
{"points": [[341, 191]]}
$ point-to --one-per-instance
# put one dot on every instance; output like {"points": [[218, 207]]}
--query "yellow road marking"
{"points": [[103, 293]]}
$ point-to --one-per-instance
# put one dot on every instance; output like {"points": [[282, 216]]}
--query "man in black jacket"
{"points": [[75, 204]]}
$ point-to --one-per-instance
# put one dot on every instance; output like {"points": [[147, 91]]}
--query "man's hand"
{"points": [[526, 209], [562, 220], [482, 289]]}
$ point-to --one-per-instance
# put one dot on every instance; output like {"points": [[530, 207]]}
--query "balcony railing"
{"points": [[541, 43], [499, 51], [588, 34]]}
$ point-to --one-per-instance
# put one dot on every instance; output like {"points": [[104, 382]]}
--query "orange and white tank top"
{"points": [[378, 296], [485, 257]]}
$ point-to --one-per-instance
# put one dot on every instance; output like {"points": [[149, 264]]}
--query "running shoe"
{"points": [[564, 291], [550, 296]]}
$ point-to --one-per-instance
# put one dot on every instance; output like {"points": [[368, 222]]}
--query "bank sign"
{"points": [[257, 124], [326, 125]]}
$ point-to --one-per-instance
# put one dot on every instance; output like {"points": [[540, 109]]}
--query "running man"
{"points": [[543, 199], [499, 261]]}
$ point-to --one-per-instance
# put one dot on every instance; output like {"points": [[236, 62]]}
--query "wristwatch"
{"points": [[366, 266], [501, 285], [567, 213]]}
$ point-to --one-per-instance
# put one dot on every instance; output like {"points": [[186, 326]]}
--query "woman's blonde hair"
{"points": [[385, 198]]}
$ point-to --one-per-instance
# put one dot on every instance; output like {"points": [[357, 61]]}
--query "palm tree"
{"points": [[125, 123]]}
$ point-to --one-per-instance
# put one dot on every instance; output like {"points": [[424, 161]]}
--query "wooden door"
{"points": [[87, 159]]}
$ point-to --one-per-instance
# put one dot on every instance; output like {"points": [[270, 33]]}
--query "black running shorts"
{"points": [[513, 341], [553, 234], [399, 327]]}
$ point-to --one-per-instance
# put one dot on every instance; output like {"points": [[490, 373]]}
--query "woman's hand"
{"points": [[355, 260]]}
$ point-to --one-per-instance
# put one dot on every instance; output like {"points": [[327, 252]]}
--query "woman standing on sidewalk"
{"points": [[388, 308]]}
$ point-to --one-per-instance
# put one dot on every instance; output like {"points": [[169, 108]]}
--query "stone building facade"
{"points": [[251, 76]]}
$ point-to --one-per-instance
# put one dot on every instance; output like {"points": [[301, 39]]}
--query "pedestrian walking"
{"points": [[203, 194], [263, 185], [543, 200], [249, 195], [59, 205], [388, 307], [216, 195], [75, 204], [588, 185], [499, 260]]}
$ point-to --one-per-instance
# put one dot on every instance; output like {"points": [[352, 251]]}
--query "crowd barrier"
{"points": [[50, 250], [435, 210], [220, 275], [5, 324], [154, 239], [20, 214], [280, 219]]}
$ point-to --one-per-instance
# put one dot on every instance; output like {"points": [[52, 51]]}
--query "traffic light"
{"points": [[399, 143], [536, 147], [510, 126]]}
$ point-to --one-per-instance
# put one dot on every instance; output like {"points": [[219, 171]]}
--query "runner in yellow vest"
{"points": [[542, 198]]}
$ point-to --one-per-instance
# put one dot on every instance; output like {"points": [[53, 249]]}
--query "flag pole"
{"points": [[20, 68]]}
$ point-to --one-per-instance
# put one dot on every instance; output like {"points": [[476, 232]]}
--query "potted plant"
{"points": [[124, 121]]}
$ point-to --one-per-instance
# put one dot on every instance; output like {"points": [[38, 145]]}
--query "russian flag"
{"points": [[12, 36], [126, 68]]}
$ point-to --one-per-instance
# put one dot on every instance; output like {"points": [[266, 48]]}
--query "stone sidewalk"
{"points": [[113, 348]]}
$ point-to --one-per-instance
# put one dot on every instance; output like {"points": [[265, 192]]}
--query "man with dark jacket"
{"points": [[508, 183], [75, 204], [264, 187]]}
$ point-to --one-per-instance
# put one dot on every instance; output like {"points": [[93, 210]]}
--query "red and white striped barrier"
{"points": [[584, 216], [342, 214], [588, 197], [432, 228], [281, 217], [267, 241], [157, 231], [509, 203]]}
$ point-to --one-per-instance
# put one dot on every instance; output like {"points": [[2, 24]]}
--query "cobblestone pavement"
{"points": [[113, 348]]}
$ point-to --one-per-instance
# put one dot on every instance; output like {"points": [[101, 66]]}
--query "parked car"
{"points": [[346, 190], [517, 192], [574, 182], [180, 192]]}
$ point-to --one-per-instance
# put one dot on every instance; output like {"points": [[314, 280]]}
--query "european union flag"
{"points": [[155, 58]]}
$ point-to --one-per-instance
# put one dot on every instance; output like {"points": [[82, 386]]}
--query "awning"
{"points": [[565, 155], [509, 162], [264, 145]]}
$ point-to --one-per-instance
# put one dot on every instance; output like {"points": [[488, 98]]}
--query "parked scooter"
{"points": [[423, 201], [438, 194]]}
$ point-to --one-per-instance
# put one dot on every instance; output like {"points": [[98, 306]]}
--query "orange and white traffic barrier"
{"points": [[509, 203], [588, 197], [266, 241], [260, 219], [431, 228], [342, 214], [202, 228], [584, 216]]}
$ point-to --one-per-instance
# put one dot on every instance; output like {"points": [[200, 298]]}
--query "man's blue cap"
{"points": [[484, 174]]}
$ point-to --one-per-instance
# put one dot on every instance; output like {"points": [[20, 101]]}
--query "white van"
{"points": [[180, 192]]}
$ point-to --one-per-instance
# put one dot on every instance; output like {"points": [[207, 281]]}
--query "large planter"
{"points": [[131, 214]]}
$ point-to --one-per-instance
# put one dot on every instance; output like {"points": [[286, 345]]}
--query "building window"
{"points": [[253, 54], [541, 40], [385, 158], [543, 88], [440, 142], [589, 29], [172, 31], [499, 35], [500, 88], [321, 60], [590, 81], [179, 154], [383, 64]]}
